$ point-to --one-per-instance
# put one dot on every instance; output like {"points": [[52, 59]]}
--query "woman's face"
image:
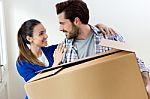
{"points": [[39, 37]]}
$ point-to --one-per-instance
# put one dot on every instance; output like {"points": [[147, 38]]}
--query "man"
{"points": [[82, 39]]}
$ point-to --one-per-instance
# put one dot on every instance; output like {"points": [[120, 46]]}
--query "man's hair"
{"points": [[73, 9]]}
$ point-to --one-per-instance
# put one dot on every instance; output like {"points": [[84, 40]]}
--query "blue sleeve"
{"points": [[25, 71], [51, 49], [26, 97]]}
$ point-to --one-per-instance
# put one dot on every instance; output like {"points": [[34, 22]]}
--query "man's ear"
{"points": [[29, 39], [77, 21]]}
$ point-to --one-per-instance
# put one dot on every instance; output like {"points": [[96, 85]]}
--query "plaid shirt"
{"points": [[72, 51]]}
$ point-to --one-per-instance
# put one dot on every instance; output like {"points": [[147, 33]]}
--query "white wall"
{"points": [[129, 17]]}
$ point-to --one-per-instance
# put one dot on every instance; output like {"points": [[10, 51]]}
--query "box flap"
{"points": [[116, 45], [54, 70]]}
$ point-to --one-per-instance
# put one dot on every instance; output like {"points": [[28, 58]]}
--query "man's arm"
{"points": [[145, 74]]}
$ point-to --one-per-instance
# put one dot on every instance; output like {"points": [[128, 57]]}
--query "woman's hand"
{"points": [[59, 53], [105, 30]]}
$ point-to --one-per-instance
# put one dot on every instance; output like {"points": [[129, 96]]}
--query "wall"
{"points": [[129, 17]]}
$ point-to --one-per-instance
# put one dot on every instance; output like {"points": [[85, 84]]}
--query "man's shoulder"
{"points": [[98, 34], [96, 30]]}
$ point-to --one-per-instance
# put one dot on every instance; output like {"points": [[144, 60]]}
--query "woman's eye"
{"points": [[41, 33]]}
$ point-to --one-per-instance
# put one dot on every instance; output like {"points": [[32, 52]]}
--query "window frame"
{"points": [[3, 68]]}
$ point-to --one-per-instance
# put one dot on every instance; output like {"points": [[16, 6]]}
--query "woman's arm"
{"points": [[58, 54], [27, 70], [105, 29]]}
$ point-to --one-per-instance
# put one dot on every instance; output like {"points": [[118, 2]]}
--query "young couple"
{"points": [[73, 18]]}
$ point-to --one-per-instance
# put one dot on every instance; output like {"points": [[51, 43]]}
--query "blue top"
{"points": [[28, 70]]}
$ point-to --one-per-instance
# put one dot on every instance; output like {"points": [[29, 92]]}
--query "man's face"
{"points": [[70, 29]]}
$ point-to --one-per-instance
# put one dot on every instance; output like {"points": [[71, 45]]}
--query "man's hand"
{"points": [[146, 79], [105, 30]]}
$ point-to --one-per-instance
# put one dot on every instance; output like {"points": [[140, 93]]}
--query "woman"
{"points": [[33, 55]]}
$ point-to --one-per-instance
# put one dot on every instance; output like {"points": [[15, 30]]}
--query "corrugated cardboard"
{"points": [[111, 75]]}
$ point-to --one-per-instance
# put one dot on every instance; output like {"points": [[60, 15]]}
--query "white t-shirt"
{"points": [[44, 59]]}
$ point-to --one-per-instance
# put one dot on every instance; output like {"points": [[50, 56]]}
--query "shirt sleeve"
{"points": [[115, 37], [143, 67]]}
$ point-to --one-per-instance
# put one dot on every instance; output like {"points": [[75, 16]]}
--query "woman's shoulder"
{"points": [[20, 63], [49, 48]]}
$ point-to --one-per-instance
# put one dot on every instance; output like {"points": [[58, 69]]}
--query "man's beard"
{"points": [[74, 33]]}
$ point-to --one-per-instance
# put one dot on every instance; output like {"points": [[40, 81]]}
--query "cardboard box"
{"points": [[111, 75]]}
